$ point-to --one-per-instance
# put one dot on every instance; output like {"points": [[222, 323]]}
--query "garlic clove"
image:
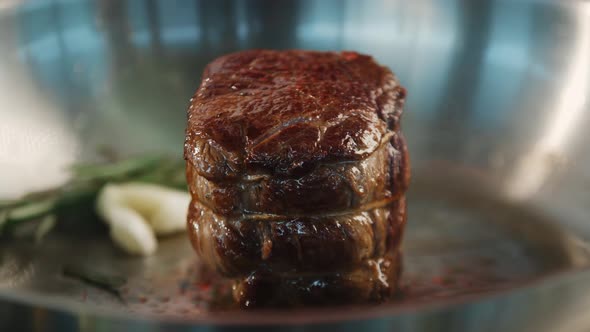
{"points": [[135, 212], [171, 215], [133, 234]]}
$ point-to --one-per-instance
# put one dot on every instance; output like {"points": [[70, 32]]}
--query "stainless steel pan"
{"points": [[496, 120]]}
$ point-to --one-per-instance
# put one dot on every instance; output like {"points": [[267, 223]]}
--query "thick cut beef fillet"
{"points": [[297, 170]]}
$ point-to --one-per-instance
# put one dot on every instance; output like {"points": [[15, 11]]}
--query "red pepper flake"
{"points": [[204, 286], [442, 280], [438, 280], [142, 299]]}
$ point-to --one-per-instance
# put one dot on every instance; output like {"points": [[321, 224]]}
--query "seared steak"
{"points": [[283, 113], [375, 280], [326, 188], [297, 170], [320, 243]]}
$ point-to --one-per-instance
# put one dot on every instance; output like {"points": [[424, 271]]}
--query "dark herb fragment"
{"points": [[109, 283]]}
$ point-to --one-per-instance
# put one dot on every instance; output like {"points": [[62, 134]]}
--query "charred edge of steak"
{"points": [[237, 247], [375, 280]]}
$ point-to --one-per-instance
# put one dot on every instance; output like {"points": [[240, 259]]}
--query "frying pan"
{"points": [[496, 122]]}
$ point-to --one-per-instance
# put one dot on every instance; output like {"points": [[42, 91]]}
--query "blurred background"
{"points": [[123, 70], [498, 89]]}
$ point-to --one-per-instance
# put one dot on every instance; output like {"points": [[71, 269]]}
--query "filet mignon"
{"points": [[297, 170]]}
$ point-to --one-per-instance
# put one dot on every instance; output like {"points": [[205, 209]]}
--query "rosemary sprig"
{"points": [[86, 182]]}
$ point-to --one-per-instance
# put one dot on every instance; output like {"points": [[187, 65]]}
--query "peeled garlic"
{"points": [[137, 212]]}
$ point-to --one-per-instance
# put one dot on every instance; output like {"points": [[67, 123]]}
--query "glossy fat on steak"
{"points": [[297, 170]]}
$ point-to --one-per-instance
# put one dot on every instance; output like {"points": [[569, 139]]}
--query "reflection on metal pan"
{"points": [[496, 96]]}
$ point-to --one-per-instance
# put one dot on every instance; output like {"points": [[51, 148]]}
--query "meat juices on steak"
{"points": [[297, 170]]}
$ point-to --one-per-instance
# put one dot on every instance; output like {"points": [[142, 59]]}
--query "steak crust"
{"points": [[297, 170], [327, 188], [319, 243], [374, 281], [283, 112]]}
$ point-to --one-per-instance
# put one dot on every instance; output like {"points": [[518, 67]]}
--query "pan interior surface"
{"points": [[495, 120], [462, 244]]}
